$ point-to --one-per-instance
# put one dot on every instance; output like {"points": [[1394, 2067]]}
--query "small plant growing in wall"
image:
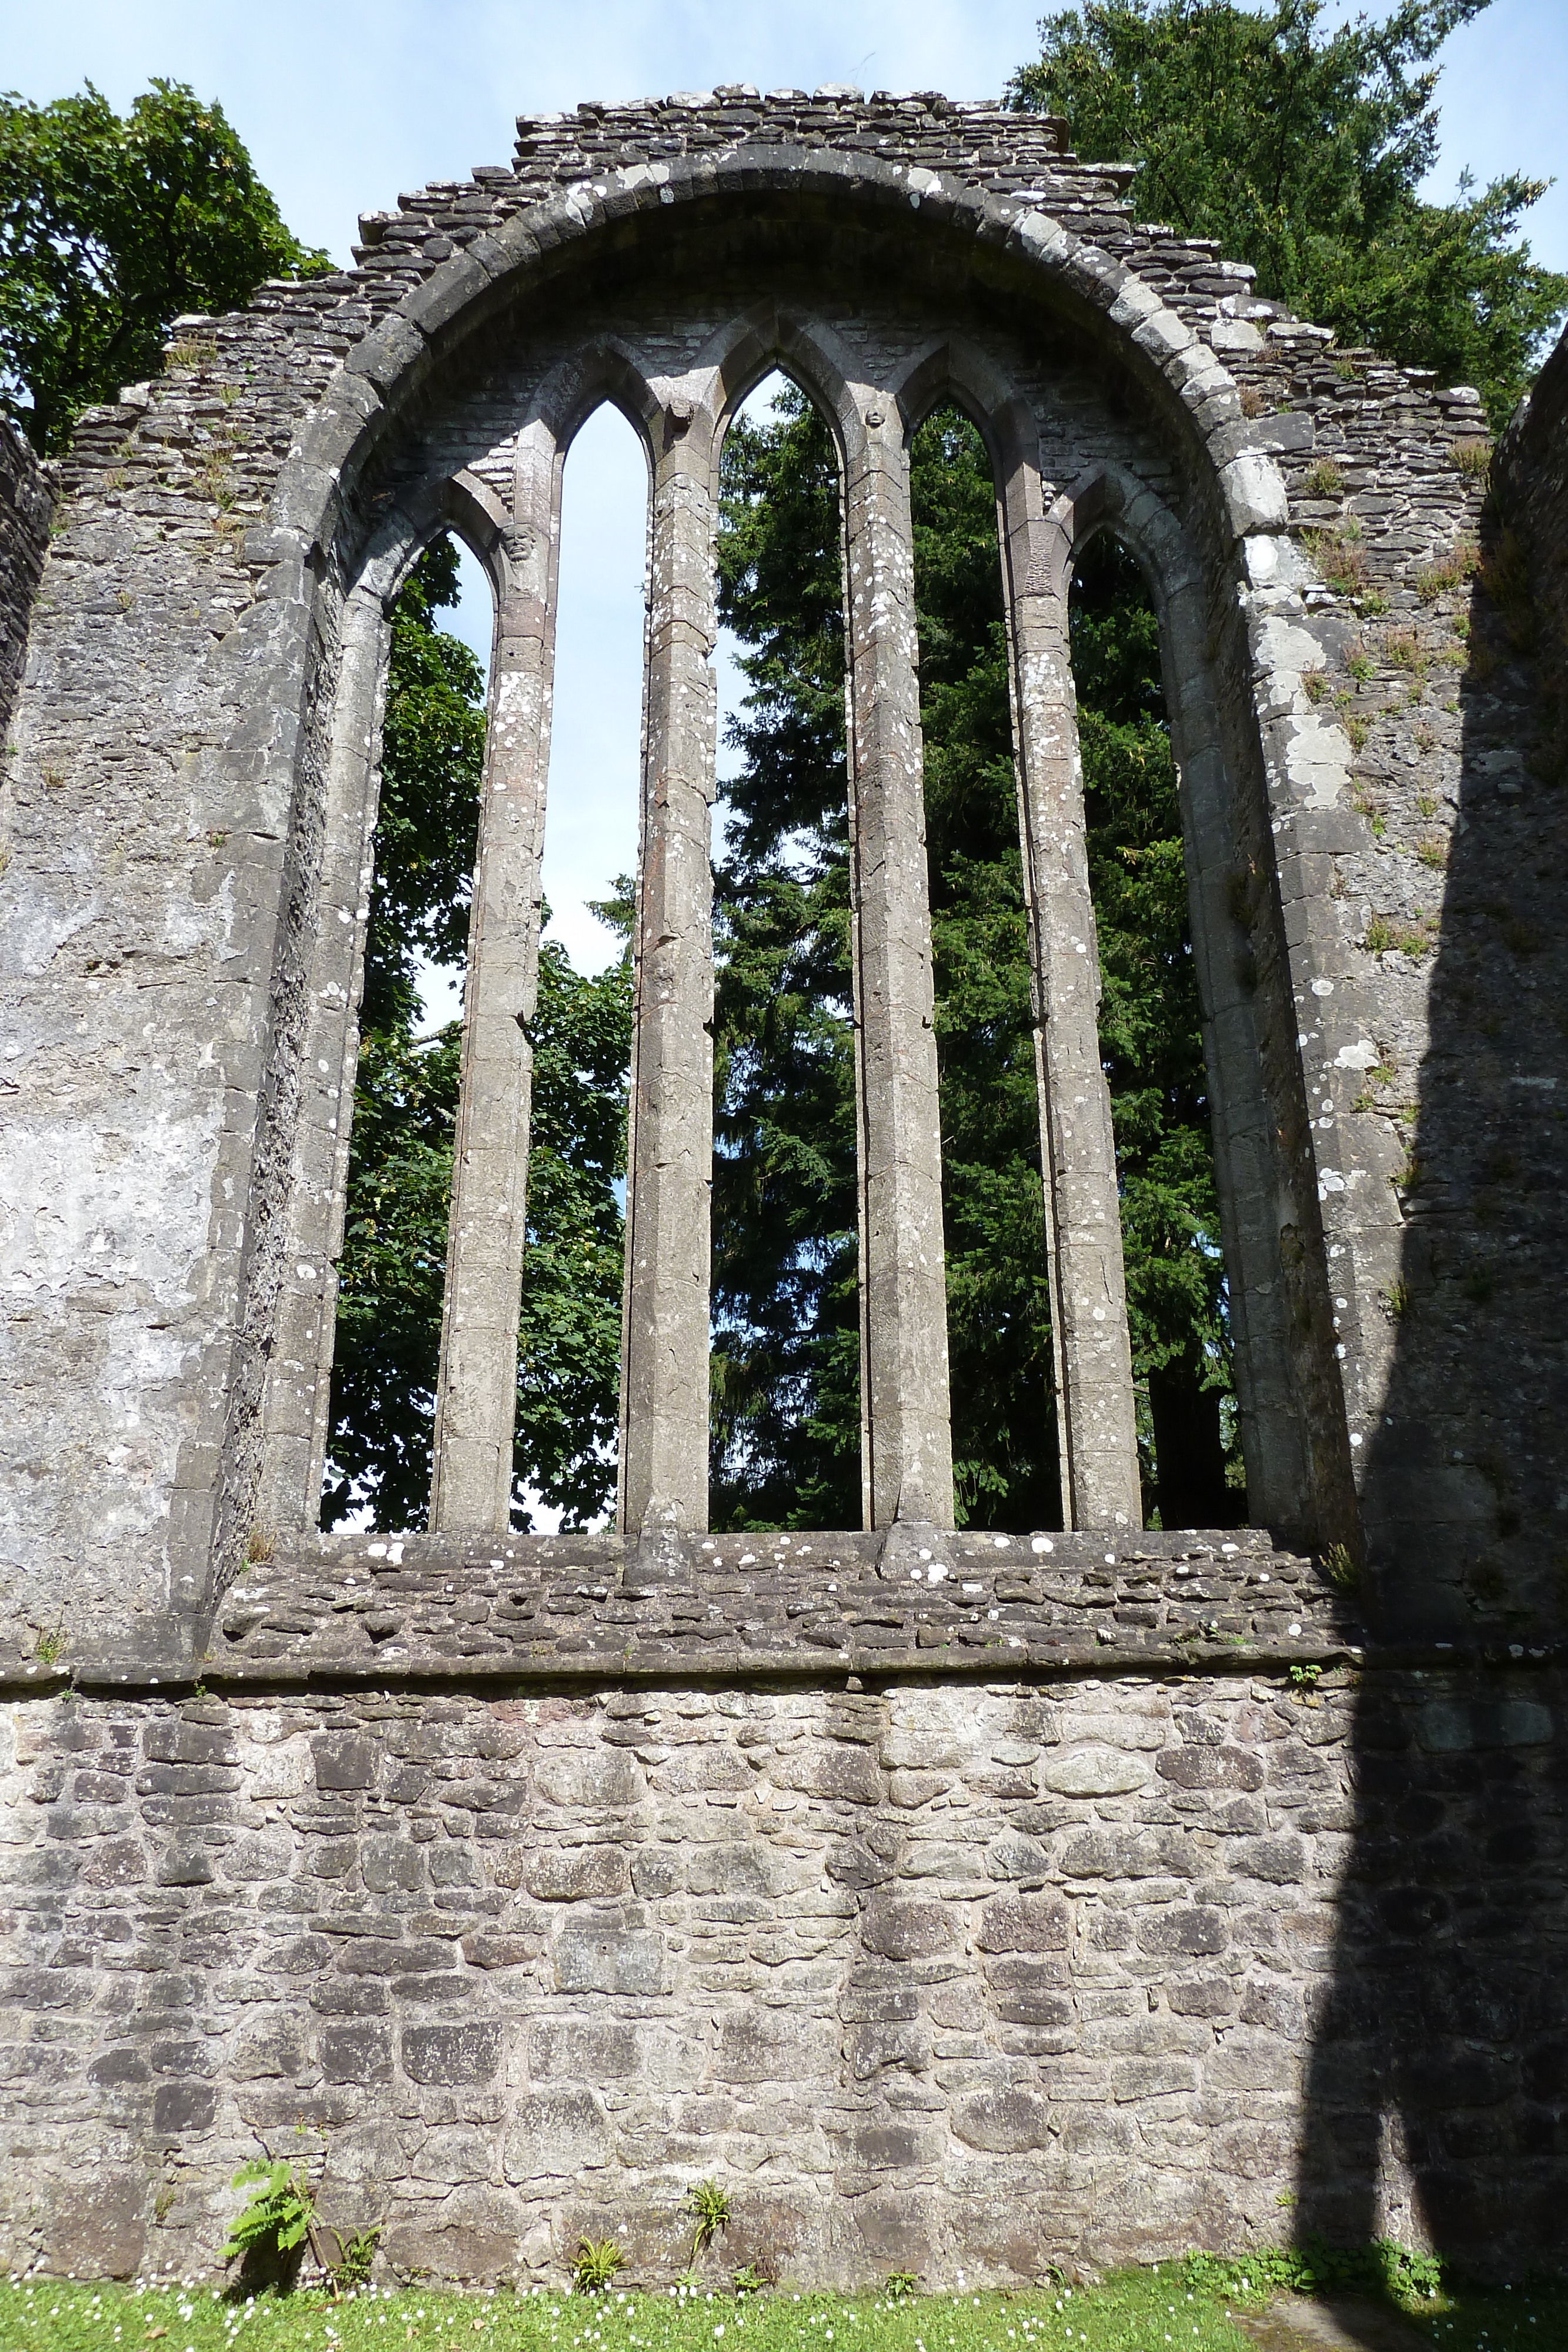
{"points": [[1339, 1568], [899, 2285], [710, 2204], [276, 2219], [1339, 560], [596, 2261], [355, 2254], [1472, 456], [1438, 579], [51, 1646]]}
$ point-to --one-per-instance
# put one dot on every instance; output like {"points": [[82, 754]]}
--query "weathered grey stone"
{"points": [[555, 2133], [906, 1931], [1002, 2123], [451, 2054], [608, 1960], [476, 1398], [1024, 1922], [544, 1873], [575, 1874]]}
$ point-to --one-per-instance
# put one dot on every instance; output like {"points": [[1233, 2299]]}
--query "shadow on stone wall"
{"points": [[1438, 2078], [1471, 1444], [1439, 2086]]}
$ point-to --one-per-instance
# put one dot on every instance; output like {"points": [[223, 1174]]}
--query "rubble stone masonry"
{"points": [[964, 1901]]}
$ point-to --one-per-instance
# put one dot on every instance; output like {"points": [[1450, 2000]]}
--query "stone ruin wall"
{"points": [[25, 507], [1211, 1915], [1084, 1930]]}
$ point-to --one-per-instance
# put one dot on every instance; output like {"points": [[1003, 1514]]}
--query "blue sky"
{"points": [[344, 103]]}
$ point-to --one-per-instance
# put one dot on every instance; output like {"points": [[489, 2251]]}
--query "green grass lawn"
{"points": [[1186, 2307]]}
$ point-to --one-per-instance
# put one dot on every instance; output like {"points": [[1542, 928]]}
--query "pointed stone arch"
{"points": [[680, 406]]}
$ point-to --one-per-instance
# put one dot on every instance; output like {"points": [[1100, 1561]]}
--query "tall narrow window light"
{"points": [[785, 1430], [998, 1312], [391, 1273], [569, 1341], [1152, 1050]]}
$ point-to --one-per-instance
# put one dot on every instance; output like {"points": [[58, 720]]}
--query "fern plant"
{"points": [[710, 2204], [276, 2217], [598, 2260], [355, 2255]]}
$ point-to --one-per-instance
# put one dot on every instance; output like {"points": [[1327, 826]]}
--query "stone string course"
{"points": [[796, 1606]]}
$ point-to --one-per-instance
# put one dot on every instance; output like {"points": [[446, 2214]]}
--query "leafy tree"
{"points": [[393, 1271], [569, 1357], [786, 1398], [786, 1373], [111, 227], [1303, 152], [785, 1367], [1151, 1047]]}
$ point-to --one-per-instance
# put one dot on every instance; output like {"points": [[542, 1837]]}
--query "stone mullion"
{"points": [[665, 1367], [1271, 1426], [1091, 1351], [905, 1410], [476, 1396], [297, 1402]]}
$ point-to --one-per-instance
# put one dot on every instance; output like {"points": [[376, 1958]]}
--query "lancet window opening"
{"points": [[786, 1370], [1151, 1041], [397, 1188], [907, 1449], [1006, 1473]]}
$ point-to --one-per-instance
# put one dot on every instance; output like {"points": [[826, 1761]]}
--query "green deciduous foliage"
{"points": [[277, 2216], [393, 1271], [1301, 151], [111, 227]]}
